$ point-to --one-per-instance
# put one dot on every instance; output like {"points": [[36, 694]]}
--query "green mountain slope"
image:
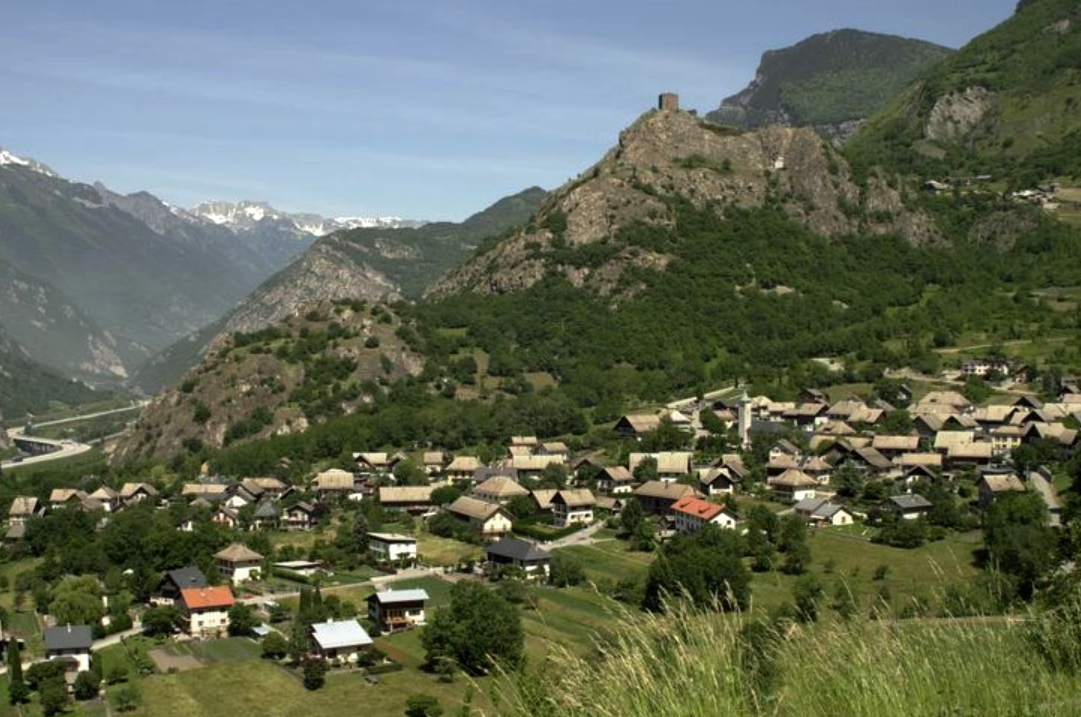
{"points": [[828, 80], [325, 361], [28, 387], [369, 264], [146, 288], [1007, 104], [56, 331], [686, 258]]}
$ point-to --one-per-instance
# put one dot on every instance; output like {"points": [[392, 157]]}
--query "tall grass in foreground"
{"points": [[689, 664]]}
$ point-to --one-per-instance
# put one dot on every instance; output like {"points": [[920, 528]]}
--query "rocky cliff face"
{"points": [[328, 358], [667, 155]]}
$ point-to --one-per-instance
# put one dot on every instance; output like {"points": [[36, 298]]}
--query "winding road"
{"points": [[64, 449]]}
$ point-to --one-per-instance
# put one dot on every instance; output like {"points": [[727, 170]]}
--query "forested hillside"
{"points": [[28, 387], [1007, 104], [830, 81]]}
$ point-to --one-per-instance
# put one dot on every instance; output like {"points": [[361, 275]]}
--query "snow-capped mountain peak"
{"points": [[246, 215], [11, 159]]}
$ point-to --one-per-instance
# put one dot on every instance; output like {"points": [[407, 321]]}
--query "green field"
{"points": [[260, 689], [234, 649], [610, 560], [845, 556]]}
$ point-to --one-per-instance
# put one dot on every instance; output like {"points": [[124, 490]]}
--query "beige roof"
{"points": [[1003, 484], [130, 489], [781, 407], [105, 493], [783, 463], [846, 408], [795, 479], [618, 473], [668, 463], [464, 464], [500, 487], [962, 419], [555, 447], [1008, 432], [238, 553], [866, 415], [993, 414], [944, 440], [807, 410], [933, 421], [63, 495], [836, 428], [643, 423], [520, 451], [661, 489], [816, 464], [523, 440], [473, 508], [948, 398], [544, 497], [333, 479], [873, 458], [203, 489], [972, 450], [23, 506], [910, 460], [581, 498], [536, 463], [432, 458], [265, 483], [895, 443], [375, 460], [405, 494]]}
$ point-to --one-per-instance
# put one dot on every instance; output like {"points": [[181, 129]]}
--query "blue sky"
{"points": [[424, 109]]}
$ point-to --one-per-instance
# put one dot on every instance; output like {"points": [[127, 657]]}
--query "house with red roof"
{"points": [[691, 514], [206, 610]]}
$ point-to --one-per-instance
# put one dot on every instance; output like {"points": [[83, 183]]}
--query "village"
{"points": [[380, 545]]}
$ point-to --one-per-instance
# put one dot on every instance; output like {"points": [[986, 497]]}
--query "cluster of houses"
{"points": [[811, 439]]}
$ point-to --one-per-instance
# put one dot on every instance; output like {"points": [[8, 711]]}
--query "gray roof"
{"points": [[267, 509], [819, 508], [332, 635], [68, 637], [911, 502], [516, 549], [189, 577], [393, 597]]}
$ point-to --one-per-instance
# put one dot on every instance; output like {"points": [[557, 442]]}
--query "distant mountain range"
{"points": [[94, 282], [831, 81], [248, 215], [372, 264]]}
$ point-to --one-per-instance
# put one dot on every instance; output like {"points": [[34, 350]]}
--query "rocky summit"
{"points": [[668, 154]]}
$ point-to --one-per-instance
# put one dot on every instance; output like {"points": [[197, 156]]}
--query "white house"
{"points": [[820, 512], [238, 563], [691, 514], [570, 507], [394, 610], [343, 640], [206, 610], [392, 547], [70, 644]]}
